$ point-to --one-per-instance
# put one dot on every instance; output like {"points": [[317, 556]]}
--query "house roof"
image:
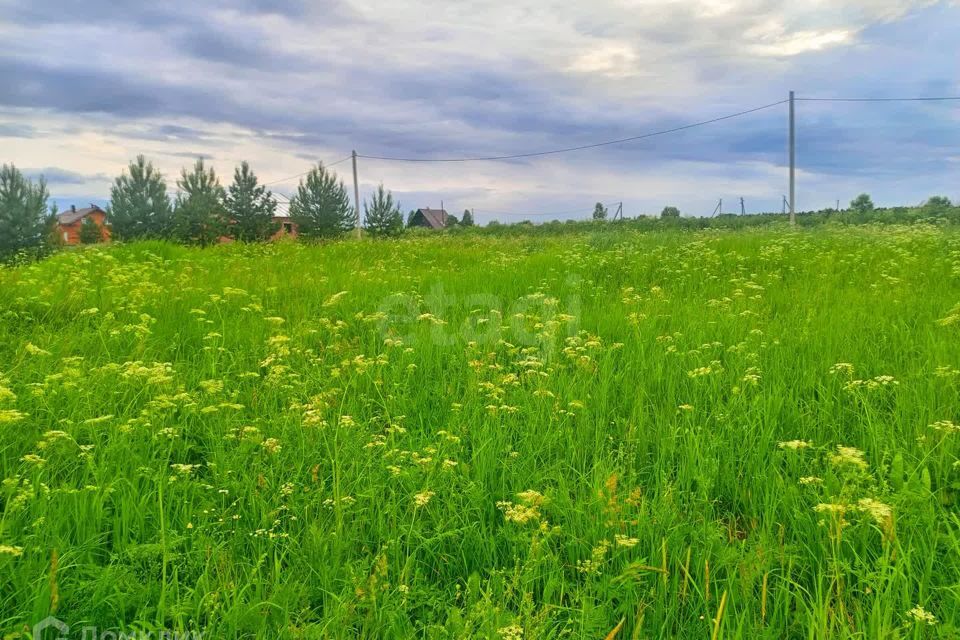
{"points": [[72, 215], [436, 218]]}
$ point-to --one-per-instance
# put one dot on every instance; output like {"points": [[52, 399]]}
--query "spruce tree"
{"points": [[599, 212], [23, 213], [467, 219], [198, 216], [139, 205], [250, 207], [321, 208], [382, 216]]}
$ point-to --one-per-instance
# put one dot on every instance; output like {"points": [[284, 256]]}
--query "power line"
{"points": [[555, 214], [917, 99], [300, 175], [581, 147]]}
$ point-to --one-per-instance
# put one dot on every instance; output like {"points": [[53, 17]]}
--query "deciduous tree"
{"points": [[670, 212], [861, 204]]}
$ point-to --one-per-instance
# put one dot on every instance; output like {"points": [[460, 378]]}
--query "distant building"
{"points": [[429, 218], [69, 223], [287, 227]]}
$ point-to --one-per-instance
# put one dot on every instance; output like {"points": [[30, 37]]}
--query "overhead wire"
{"points": [[579, 147], [300, 175]]}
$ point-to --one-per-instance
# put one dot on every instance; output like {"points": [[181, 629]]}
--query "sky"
{"points": [[86, 85]]}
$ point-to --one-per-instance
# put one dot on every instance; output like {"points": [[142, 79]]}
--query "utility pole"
{"points": [[793, 162], [356, 191], [743, 209]]}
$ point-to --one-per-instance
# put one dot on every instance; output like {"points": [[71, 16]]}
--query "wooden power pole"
{"points": [[356, 191], [793, 161]]}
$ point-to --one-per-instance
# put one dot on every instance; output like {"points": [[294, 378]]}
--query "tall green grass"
{"points": [[467, 437]]}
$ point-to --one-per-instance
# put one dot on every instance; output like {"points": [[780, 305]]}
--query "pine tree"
{"points": [[139, 206], [23, 213], [321, 208], [467, 219], [90, 232], [599, 212], [250, 207], [382, 216], [198, 216]]}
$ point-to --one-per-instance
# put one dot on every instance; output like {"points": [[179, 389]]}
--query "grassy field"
{"points": [[608, 435]]}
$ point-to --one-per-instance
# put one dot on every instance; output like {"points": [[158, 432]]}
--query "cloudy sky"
{"points": [[86, 85]]}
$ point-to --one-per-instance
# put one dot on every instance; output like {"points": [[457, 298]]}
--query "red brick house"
{"points": [[69, 223]]}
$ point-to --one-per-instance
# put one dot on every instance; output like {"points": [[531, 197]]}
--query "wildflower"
{"points": [[211, 386], [511, 632], [518, 513], [6, 395], [332, 300], [921, 615], [830, 507], [34, 459], [421, 499], [946, 426], [347, 421], [34, 350], [794, 444], [624, 541], [271, 445], [877, 510], [184, 469], [592, 566], [9, 416], [685, 407], [842, 367], [531, 497], [808, 480], [849, 456], [275, 320], [6, 549]]}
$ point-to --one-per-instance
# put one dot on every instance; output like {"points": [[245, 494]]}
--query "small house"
{"points": [[286, 227], [70, 222], [429, 218]]}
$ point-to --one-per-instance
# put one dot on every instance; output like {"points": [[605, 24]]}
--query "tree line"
{"points": [[201, 213]]}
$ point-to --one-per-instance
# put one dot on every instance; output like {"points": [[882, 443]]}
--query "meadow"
{"points": [[695, 434]]}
